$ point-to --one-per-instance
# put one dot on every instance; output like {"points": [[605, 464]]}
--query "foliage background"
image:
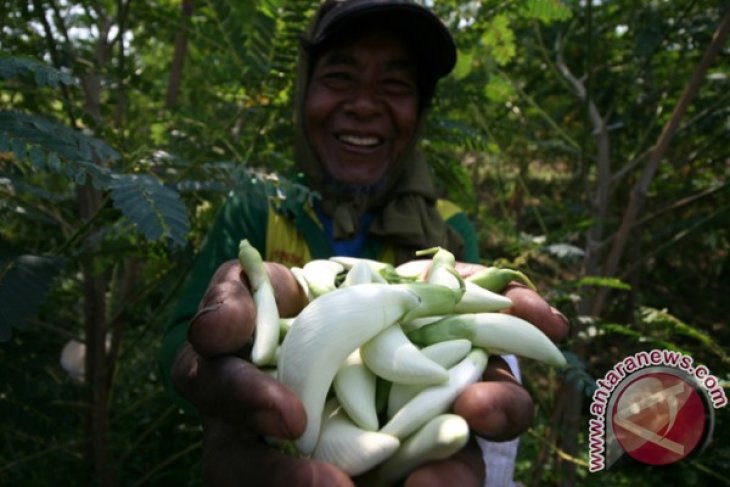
{"points": [[123, 124]]}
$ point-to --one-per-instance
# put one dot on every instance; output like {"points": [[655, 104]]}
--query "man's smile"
{"points": [[361, 110], [360, 140]]}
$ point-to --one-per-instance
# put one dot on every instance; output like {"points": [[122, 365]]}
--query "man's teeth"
{"points": [[361, 141]]}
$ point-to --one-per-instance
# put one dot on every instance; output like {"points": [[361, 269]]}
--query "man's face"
{"points": [[361, 110]]}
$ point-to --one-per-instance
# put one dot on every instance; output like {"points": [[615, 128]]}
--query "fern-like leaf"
{"points": [[661, 319], [44, 75], [24, 283], [155, 209], [23, 132], [546, 10], [607, 282]]}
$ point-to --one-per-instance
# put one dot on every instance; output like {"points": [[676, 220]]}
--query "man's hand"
{"points": [[498, 408], [239, 405]]}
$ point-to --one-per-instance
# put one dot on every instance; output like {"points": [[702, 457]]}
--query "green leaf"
{"points": [[609, 282], [80, 178], [24, 283], [463, 64], [155, 209], [54, 163], [638, 337], [545, 10], [575, 373], [21, 185], [649, 33], [41, 78], [39, 136], [19, 149], [44, 75], [102, 177], [37, 157], [499, 39], [661, 318], [49, 135], [499, 90]]}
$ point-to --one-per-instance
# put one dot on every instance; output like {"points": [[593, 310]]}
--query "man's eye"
{"points": [[399, 85], [337, 76]]}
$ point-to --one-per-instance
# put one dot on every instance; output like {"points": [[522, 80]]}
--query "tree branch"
{"points": [[178, 60], [55, 58], [122, 12], [601, 197], [638, 193]]}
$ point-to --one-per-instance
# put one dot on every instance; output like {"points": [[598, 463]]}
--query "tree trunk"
{"points": [[178, 59], [638, 193], [569, 403], [567, 418], [97, 423], [99, 452]]}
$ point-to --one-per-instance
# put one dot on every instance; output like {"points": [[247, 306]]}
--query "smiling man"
{"points": [[361, 108], [367, 74]]}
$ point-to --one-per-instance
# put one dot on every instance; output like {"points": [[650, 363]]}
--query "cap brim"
{"points": [[431, 36]]}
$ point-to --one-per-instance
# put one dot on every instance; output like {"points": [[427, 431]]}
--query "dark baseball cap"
{"points": [[425, 31]]}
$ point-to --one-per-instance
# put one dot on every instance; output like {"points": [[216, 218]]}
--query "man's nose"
{"points": [[365, 101]]}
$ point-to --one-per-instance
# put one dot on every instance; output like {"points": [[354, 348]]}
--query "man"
{"points": [[367, 75]]}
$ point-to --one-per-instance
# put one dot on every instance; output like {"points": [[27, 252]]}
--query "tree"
{"points": [[123, 124]]}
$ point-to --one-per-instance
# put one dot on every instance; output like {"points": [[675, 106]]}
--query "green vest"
{"points": [[286, 244], [291, 236]]}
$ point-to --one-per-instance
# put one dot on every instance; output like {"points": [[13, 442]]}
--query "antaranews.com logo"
{"points": [[655, 406]]}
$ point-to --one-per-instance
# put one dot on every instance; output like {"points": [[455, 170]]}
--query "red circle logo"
{"points": [[659, 418]]}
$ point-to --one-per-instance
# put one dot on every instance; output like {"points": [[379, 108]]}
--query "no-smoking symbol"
{"points": [[659, 418]]}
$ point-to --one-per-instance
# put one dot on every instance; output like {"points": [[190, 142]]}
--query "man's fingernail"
{"points": [[270, 423], [562, 317], [207, 309]]}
